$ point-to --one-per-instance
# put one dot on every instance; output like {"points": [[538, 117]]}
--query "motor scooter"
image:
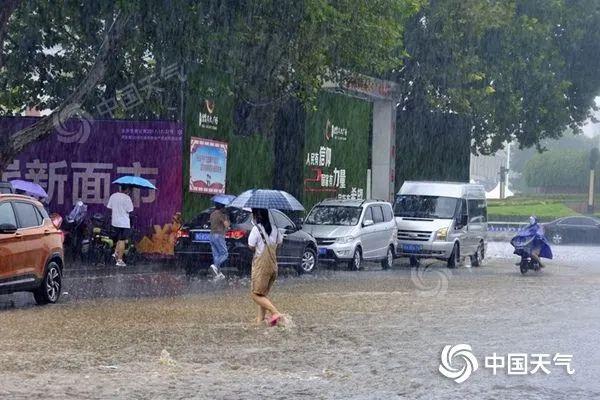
{"points": [[75, 229], [100, 247], [529, 241]]}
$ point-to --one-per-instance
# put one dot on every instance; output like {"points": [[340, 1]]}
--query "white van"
{"points": [[441, 220]]}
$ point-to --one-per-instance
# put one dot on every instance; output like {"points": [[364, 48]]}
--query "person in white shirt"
{"points": [[121, 205], [263, 240]]}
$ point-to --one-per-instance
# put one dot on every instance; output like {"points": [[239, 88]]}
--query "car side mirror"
{"points": [[368, 222], [290, 229], [8, 229]]}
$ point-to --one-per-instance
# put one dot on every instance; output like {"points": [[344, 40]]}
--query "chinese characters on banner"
{"points": [[208, 166], [85, 170], [208, 118], [329, 177], [335, 132]]}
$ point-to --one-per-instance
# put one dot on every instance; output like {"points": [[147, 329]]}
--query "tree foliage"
{"points": [[261, 51], [569, 141], [559, 169], [514, 69]]}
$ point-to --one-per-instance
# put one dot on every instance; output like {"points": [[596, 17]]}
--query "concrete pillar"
{"points": [[383, 157]]}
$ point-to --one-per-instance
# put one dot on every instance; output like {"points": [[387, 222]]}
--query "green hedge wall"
{"points": [[249, 159], [352, 155]]}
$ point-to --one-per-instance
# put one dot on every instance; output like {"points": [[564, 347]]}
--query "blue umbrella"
{"points": [[224, 199], [136, 181], [30, 188], [265, 198]]}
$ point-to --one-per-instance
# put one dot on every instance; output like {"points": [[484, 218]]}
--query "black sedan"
{"points": [[579, 229], [299, 249]]}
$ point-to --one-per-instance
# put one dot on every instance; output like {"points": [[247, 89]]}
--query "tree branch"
{"points": [[47, 124]]}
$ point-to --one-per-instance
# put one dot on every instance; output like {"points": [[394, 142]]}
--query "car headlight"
{"points": [[345, 239], [441, 234]]}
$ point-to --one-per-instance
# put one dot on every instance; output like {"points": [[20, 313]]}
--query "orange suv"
{"points": [[31, 250]]}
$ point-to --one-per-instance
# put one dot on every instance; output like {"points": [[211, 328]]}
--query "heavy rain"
{"points": [[328, 199]]}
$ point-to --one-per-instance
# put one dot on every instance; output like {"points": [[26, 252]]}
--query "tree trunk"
{"points": [[11, 146]]}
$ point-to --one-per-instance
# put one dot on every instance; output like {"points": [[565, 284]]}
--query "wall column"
{"points": [[383, 157]]}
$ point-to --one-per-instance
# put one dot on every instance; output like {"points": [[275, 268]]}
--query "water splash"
{"points": [[166, 359], [286, 322]]}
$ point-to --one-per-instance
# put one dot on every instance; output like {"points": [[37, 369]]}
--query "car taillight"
{"points": [[183, 233], [56, 220], [235, 234]]}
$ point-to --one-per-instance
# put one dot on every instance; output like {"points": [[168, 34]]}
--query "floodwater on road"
{"points": [[349, 335]]}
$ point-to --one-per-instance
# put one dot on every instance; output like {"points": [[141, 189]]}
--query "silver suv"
{"points": [[353, 230]]}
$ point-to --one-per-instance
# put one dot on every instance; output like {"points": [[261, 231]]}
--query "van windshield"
{"points": [[435, 207], [334, 215]]}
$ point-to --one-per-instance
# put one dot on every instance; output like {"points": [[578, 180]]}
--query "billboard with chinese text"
{"points": [[81, 159], [208, 166], [336, 153]]}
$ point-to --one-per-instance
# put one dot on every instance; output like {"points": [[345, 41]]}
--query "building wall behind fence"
{"points": [[337, 148]]}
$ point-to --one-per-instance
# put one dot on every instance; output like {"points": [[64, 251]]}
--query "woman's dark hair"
{"points": [[261, 216]]}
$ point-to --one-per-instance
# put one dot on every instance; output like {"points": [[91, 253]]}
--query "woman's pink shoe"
{"points": [[275, 320]]}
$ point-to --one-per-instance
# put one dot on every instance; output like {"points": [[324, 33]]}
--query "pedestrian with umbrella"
{"points": [[121, 205], [264, 239], [31, 189], [219, 224]]}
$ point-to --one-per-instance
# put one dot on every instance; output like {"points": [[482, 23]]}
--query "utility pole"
{"points": [[594, 156], [508, 148], [503, 174]]}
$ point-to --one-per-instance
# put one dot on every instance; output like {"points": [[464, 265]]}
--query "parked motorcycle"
{"points": [[75, 229], [531, 245], [100, 247]]}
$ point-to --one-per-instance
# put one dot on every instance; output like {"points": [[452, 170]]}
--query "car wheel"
{"points": [[477, 258], [309, 261], [49, 290], [389, 259], [131, 257], [356, 263], [454, 259], [557, 238]]}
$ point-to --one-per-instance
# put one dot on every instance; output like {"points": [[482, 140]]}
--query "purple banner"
{"points": [[81, 158]]}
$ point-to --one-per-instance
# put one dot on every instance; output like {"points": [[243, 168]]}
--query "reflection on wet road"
{"points": [[350, 335]]}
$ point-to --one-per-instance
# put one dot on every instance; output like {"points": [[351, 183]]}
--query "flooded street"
{"points": [[366, 335]]}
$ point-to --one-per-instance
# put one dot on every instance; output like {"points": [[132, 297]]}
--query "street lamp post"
{"points": [[503, 175], [594, 155]]}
